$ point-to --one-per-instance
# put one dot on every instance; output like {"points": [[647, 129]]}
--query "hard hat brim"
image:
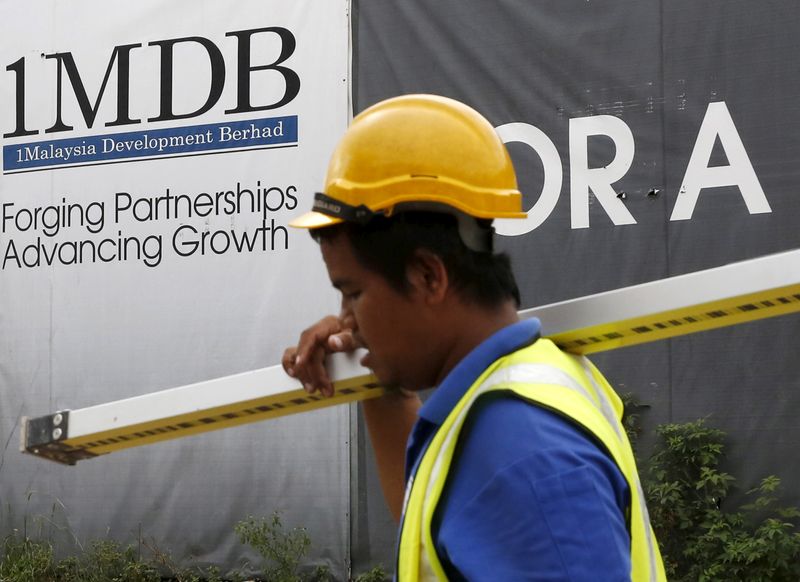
{"points": [[313, 220]]}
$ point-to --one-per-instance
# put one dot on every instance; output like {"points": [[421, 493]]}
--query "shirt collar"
{"points": [[464, 374]]}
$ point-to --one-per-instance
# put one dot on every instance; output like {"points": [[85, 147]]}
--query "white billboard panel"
{"points": [[153, 153]]}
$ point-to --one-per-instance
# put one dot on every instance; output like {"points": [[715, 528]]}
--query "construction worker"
{"points": [[516, 467]]}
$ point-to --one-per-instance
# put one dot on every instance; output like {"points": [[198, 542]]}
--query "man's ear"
{"points": [[428, 276]]}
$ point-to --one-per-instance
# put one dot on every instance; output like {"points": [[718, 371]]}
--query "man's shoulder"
{"points": [[500, 419], [505, 434]]}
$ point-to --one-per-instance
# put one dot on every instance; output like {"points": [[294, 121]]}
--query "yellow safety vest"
{"points": [[546, 376]]}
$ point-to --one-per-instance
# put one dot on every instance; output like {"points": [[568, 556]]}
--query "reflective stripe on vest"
{"points": [[607, 411], [550, 384]]}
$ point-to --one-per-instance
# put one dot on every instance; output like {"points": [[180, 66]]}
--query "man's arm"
{"points": [[389, 418], [389, 421]]}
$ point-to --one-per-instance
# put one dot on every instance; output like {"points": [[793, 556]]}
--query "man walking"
{"points": [[517, 466]]}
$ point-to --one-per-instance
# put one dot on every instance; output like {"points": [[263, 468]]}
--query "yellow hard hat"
{"points": [[416, 151]]}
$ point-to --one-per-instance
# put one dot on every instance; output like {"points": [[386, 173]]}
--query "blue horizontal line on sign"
{"points": [[172, 157], [151, 144]]}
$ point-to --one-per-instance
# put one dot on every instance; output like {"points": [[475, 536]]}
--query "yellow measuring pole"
{"points": [[720, 297], [736, 293]]}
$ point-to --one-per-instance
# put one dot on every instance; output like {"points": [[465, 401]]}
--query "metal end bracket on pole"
{"points": [[736, 293]]}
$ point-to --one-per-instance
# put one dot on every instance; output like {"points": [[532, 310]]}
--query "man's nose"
{"points": [[347, 318]]}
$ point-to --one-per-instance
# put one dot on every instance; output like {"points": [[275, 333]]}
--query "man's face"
{"points": [[390, 324]]}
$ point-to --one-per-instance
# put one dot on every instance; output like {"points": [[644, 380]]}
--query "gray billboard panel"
{"points": [[708, 93]]}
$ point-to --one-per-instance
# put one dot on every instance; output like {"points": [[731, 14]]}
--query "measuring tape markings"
{"points": [[220, 417], [682, 321]]}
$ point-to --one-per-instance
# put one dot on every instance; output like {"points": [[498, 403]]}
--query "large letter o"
{"points": [[553, 176]]}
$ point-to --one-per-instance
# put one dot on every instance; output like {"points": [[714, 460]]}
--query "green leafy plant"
{"points": [[377, 574], [25, 560], [31, 560], [107, 561], [701, 539], [281, 551], [164, 561]]}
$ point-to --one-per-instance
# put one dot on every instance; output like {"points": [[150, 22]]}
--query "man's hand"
{"points": [[389, 418], [306, 361]]}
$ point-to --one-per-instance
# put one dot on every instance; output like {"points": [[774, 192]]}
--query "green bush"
{"points": [[26, 560], [377, 574], [701, 539], [106, 561], [281, 551]]}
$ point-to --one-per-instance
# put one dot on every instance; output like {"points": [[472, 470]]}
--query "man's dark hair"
{"points": [[386, 245]]}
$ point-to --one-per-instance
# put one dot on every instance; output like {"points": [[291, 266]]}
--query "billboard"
{"points": [[651, 139], [152, 156]]}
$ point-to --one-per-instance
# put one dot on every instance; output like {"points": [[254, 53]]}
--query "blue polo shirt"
{"points": [[529, 496]]}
